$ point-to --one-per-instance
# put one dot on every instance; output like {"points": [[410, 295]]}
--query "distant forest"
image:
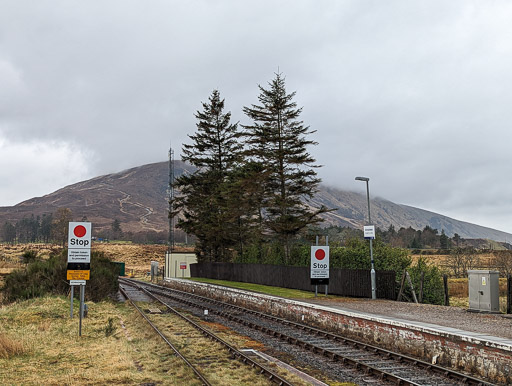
{"points": [[426, 240], [52, 228]]}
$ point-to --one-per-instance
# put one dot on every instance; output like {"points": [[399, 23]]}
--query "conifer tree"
{"points": [[277, 140], [244, 199], [8, 233], [203, 197]]}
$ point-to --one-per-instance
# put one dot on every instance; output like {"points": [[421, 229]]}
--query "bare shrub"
{"points": [[9, 347], [461, 260], [502, 260]]}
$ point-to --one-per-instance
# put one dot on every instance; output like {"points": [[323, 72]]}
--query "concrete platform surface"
{"points": [[455, 320]]}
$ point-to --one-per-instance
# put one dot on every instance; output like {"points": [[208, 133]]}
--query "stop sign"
{"points": [[79, 235], [320, 262], [79, 242]]}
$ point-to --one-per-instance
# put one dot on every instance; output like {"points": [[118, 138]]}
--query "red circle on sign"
{"points": [[320, 254], [79, 231]]}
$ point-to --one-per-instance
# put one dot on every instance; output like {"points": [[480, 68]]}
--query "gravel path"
{"points": [[499, 325]]}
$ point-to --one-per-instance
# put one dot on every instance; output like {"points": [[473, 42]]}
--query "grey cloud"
{"points": [[413, 94]]}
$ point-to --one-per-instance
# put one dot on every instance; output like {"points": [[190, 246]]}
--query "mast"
{"points": [[171, 241]]}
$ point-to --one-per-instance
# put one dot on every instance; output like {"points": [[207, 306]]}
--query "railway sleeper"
{"points": [[397, 357]]}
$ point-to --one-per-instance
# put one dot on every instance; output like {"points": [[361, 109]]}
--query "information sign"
{"points": [[319, 265], [78, 275], [79, 251], [77, 282], [79, 255], [369, 231], [79, 242], [183, 265]]}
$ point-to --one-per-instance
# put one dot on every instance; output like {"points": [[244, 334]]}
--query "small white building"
{"points": [[177, 264]]}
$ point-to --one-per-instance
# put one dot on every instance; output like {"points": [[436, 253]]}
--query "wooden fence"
{"points": [[344, 282]]}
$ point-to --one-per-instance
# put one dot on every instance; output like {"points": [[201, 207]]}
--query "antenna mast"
{"points": [[171, 200]]}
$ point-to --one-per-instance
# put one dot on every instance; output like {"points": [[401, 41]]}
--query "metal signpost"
{"points": [[372, 272], [79, 262], [369, 233]]}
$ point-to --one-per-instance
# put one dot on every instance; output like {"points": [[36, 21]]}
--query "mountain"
{"points": [[353, 211], [137, 197]]}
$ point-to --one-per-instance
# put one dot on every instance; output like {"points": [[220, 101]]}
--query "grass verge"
{"points": [[264, 289], [43, 346], [39, 344]]}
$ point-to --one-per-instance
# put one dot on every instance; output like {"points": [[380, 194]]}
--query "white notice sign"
{"points": [[79, 255], [79, 242], [320, 262], [369, 231]]}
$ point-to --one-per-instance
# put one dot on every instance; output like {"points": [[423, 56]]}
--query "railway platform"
{"points": [[479, 344]]}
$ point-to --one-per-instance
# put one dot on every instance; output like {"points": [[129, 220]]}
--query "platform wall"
{"points": [[486, 360]]}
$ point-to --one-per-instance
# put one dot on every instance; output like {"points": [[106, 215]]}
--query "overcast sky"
{"points": [[415, 95]]}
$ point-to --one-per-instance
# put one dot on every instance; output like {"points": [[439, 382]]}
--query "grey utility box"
{"points": [[484, 295]]}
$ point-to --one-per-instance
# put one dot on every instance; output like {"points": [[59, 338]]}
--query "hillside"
{"points": [[353, 211], [137, 197]]}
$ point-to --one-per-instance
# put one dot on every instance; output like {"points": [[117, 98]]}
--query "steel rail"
{"points": [[358, 365], [451, 374], [234, 352], [176, 351]]}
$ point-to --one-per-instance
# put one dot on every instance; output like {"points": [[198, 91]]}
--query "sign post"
{"points": [[82, 296], [369, 233], [71, 304], [79, 261]]}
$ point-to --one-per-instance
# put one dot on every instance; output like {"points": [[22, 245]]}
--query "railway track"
{"points": [[133, 292], [382, 365]]}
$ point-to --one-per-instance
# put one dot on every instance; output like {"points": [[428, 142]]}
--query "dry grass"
{"points": [[459, 293], [137, 257], [44, 348], [54, 354], [459, 287], [485, 261], [9, 347], [12, 253]]}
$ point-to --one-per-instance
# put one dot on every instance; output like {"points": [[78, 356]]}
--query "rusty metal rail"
{"points": [[271, 376], [198, 374], [445, 373]]}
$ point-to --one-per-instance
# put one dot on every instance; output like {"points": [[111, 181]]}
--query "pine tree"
{"points": [[116, 230], [443, 240], [244, 198], [46, 227], [204, 194], [8, 233], [277, 141]]}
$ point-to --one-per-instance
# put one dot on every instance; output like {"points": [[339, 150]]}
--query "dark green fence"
{"points": [[343, 282]]}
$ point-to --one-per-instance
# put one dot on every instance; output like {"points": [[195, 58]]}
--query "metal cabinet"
{"points": [[484, 291]]}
